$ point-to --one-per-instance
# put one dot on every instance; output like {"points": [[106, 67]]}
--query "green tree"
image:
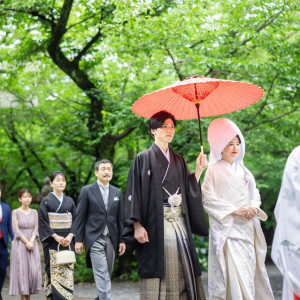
{"points": [[70, 71]]}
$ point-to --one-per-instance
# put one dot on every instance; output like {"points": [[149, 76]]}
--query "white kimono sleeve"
{"points": [[216, 207]]}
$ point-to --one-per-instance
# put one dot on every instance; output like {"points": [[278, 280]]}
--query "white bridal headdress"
{"points": [[220, 132]]}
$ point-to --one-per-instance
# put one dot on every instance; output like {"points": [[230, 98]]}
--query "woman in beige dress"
{"points": [[25, 263]]}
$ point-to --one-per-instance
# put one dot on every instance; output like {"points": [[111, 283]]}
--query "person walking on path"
{"points": [[99, 219], [57, 215], [286, 243], [158, 209], [237, 246], [25, 262], [5, 230]]}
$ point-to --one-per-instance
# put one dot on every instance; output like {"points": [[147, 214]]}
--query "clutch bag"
{"points": [[65, 257]]}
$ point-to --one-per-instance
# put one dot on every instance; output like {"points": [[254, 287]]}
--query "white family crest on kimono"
{"points": [[286, 242], [237, 247]]}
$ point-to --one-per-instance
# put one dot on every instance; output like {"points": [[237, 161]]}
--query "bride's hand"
{"points": [[252, 212], [241, 212]]}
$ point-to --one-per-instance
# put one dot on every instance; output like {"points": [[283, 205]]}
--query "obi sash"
{"points": [[60, 221]]}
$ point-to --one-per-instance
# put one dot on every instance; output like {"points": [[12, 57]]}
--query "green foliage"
{"points": [[134, 274], [70, 73], [81, 272], [201, 244]]}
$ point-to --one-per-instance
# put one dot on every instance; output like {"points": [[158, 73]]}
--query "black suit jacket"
{"points": [[92, 217]]}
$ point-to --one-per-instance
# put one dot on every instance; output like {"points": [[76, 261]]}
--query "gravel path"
{"points": [[130, 290]]}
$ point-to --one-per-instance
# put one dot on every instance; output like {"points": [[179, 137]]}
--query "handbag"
{"points": [[65, 257]]}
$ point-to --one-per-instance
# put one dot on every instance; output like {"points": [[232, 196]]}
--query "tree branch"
{"points": [[64, 166], [122, 135], [16, 178], [32, 151], [31, 12], [60, 28], [157, 10], [12, 136], [271, 120], [87, 47], [266, 99], [83, 20], [210, 70], [79, 146], [67, 101], [197, 43], [259, 29], [180, 76], [88, 176], [80, 78]]}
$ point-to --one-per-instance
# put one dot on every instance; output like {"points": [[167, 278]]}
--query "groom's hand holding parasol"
{"points": [[201, 164]]}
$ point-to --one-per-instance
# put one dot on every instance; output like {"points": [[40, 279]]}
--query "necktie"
{"points": [[104, 190], [105, 196]]}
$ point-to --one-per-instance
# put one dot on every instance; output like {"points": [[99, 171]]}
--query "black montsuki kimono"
{"points": [[144, 203], [50, 204]]}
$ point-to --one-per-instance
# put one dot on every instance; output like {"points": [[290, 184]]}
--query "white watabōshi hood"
{"points": [[220, 132]]}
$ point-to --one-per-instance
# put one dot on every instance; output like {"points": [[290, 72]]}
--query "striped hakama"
{"points": [[179, 282]]}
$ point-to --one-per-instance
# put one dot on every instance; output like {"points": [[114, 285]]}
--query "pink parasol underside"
{"points": [[218, 97]]}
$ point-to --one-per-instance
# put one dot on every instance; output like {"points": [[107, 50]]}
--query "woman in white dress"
{"points": [[286, 242], [237, 246]]}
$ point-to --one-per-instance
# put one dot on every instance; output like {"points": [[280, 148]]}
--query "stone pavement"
{"points": [[130, 290]]}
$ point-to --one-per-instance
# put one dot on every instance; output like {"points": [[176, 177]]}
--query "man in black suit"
{"points": [[5, 229], [99, 220]]}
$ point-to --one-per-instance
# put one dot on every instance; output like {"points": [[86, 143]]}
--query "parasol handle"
{"points": [[199, 123]]}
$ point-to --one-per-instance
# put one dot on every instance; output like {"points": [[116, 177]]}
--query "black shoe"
{"points": [[1, 297], [97, 298]]}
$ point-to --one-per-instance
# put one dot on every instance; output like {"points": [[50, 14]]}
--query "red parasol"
{"points": [[198, 96]]}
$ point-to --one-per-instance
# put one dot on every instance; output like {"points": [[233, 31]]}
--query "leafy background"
{"points": [[70, 71]]}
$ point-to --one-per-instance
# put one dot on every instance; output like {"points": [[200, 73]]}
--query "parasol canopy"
{"points": [[197, 97]]}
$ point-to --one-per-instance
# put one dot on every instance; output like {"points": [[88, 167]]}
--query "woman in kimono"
{"points": [[286, 242], [56, 228], [160, 198], [237, 246], [25, 262]]}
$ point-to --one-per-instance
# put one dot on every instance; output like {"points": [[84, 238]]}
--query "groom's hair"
{"points": [[158, 119]]}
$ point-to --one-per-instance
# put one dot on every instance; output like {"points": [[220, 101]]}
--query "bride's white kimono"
{"points": [[286, 242], [237, 246]]}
